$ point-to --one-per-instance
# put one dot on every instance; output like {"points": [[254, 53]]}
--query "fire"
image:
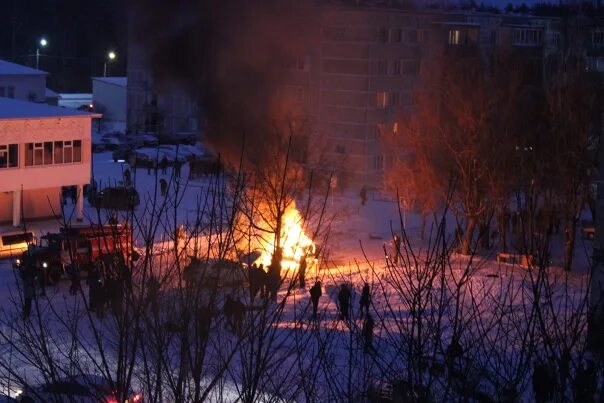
{"points": [[295, 243]]}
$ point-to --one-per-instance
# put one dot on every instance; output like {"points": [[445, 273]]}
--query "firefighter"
{"points": [[74, 275], [368, 326], [344, 300], [365, 299], [28, 296], [163, 165], [302, 272]]}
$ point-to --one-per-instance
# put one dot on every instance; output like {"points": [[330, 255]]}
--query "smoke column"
{"points": [[230, 56]]}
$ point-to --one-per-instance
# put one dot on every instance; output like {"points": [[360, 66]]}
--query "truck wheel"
{"points": [[55, 272]]}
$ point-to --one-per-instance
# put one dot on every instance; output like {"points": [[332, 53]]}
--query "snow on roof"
{"points": [[17, 109], [119, 81], [8, 68]]}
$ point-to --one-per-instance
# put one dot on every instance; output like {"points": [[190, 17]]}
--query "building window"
{"points": [[383, 35], [411, 67], [396, 68], [381, 99], [10, 93], [299, 63], [527, 37], [2, 91], [412, 36], [393, 98], [397, 35], [382, 67], [49, 153], [597, 38], [340, 149], [378, 163], [454, 37], [31, 97], [9, 156]]}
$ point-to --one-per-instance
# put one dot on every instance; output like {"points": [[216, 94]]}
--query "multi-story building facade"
{"points": [[360, 76], [362, 67], [42, 148]]}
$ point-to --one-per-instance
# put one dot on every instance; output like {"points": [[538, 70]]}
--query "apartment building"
{"points": [[42, 148], [361, 69], [357, 79]]}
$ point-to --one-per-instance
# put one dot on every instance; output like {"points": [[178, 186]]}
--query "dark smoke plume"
{"points": [[230, 55]]}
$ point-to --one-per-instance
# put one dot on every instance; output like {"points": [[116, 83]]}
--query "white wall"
{"points": [[21, 131], [110, 100], [25, 85]]}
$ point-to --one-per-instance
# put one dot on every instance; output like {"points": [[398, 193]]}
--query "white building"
{"points": [[42, 148], [22, 82], [109, 96]]}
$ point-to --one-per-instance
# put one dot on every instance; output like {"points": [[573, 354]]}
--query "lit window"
{"points": [[395, 128], [381, 99], [454, 37]]}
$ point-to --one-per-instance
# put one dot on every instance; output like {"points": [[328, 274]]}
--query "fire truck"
{"points": [[84, 245]]}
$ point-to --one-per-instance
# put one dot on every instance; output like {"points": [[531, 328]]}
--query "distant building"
{"points": [[22, 82], [109, 97], [150, 109], [75, 100], [42, 148]]}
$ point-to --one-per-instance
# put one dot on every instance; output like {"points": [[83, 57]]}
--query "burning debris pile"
{"points": [[292, 240]]}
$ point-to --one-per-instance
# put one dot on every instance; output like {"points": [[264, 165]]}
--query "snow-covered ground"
{"points": [[358, 238]]}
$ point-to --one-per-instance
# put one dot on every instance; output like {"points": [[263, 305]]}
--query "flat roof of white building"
{"points": [[119, 81], [8, 68], [17, 109]]}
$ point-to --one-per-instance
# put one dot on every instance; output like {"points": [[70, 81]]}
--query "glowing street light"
{"points": [[41, 44], [111, 56]]}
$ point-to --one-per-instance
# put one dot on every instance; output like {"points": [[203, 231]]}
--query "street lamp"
{"points": [[41, 44], [111, 56]]}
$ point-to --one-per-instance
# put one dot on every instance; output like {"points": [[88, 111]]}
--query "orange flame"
{"points": [[294, 242]]}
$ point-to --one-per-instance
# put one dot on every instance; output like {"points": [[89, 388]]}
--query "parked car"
{"points": [[122, 153], [215, 273], [140, 140], [119, 198], [81, 389]]}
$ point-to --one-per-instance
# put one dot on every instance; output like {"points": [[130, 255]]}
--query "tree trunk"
{"points": [[466, 244], [502, 224], [423, 226], [569, 243]]}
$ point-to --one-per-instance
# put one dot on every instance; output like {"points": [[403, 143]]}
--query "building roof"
{"points": [[50, 93], [119, 81], [8, 68], [17, 109]]}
